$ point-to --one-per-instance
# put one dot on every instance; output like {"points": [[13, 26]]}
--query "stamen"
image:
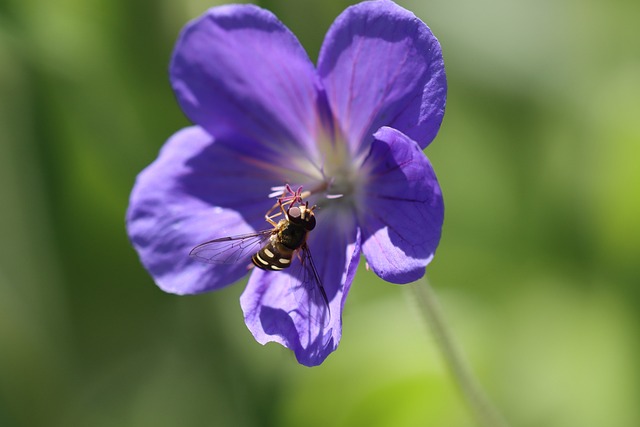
{"points": [[276, 192], [293, 197]]}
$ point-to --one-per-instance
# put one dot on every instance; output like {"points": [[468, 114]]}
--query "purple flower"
{"points": [[351, 131]]}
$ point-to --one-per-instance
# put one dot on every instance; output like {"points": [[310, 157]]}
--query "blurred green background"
{"points": [[538, 269]]}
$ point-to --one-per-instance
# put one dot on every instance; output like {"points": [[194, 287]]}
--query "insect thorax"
{"points": [[292, 236]]}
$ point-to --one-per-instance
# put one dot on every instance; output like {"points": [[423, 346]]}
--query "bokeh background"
{"points": [[538, 269]]}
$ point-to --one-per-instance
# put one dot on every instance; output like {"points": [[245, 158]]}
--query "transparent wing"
{"points": [[232, 249], [308, 290]]}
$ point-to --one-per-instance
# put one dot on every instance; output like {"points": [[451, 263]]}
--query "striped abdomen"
{"points": [[274, 256]]}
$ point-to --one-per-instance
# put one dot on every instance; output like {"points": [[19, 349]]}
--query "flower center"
{"points": [[342, 176]]}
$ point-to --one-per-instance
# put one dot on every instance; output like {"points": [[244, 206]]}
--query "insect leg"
{"points": [[269, 218], [279, 204]]}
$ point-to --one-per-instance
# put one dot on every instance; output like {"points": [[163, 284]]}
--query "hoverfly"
{"points": [[284, 246]]}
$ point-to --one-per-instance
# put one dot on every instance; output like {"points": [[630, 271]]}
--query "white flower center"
{"points": [[342, 175]]}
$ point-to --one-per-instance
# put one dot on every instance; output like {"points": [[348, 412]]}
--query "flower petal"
{"points": [[238, 71], [196, 190], [274, 313], [403, 210], [382, 66]]}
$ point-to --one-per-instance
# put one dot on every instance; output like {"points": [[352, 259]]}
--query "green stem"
{"points": [[480, 406]]}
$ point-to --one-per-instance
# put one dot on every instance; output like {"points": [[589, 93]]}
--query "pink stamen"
{"points": [[293, 197]]}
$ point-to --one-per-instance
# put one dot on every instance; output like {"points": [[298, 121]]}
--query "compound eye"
{"points": [[295, 215], [311, 223]]}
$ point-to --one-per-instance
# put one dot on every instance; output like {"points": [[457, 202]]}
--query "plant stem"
{"points": [[479, 405]]}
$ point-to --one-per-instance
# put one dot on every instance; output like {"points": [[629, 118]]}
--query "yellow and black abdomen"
{"points": [[277, 253], [274, 256]]}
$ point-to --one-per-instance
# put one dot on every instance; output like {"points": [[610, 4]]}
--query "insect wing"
{"points": [[232, 249], [308, 290]]}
